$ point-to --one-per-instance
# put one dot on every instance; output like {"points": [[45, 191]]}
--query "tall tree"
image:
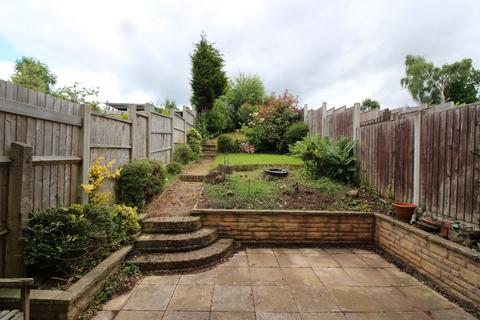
{"points": [[369, 104], [79, 94], [209, 80], [429, 84], [33, 74]]}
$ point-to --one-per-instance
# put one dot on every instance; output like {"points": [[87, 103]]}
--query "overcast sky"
{"points": [[335, 51]]}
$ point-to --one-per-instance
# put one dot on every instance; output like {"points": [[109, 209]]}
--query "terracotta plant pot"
{"points": [[404, 210]]}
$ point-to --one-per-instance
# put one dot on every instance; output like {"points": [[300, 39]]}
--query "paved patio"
{"points": [[286, 284]]}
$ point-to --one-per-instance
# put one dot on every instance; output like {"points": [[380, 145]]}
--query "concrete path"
{"points": [[287, 284]]}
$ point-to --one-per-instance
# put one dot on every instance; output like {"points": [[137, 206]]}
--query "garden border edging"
{"points": [[68, 304]]}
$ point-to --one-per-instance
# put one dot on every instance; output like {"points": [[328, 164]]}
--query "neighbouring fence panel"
{"points": [[313, 118], [189, 119], [450, 163], [340, 123], [178, 129], [386, 157], [140, 137], [161, 136]]}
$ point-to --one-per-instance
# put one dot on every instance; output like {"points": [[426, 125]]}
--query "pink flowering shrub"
{"points": [[247, 147]]}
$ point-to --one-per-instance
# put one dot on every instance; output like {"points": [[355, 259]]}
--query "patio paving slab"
{"points": [[191, 298], [232, 298], [139, 315], [232, 315], [287, 284], [274, 299], [150, 297]]}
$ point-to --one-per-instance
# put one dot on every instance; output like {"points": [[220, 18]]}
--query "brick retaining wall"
{"points": [[290, 226], [453, 267]]}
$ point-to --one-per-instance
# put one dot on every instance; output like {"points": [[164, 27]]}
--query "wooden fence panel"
{"points": [[386, 157], [161, 137], [450, 175], [189, 119], [140, 138], [178, 129]]}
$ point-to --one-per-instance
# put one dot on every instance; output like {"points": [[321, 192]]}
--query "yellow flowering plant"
{"points": [[97, 174]]}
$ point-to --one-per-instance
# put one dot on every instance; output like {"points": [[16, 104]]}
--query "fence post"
{"points": [[356, 121], [416, 157], [149, 130], [132, 116], [20, 197], [324, 132], [84, 151], [172, 136]]}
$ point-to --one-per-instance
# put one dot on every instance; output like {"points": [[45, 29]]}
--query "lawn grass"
{"points": [[256, 158], [236, 135]]}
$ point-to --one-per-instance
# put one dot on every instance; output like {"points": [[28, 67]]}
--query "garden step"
{"points": [[176, 242], [176, 261], [193, 177], [171, 224]]}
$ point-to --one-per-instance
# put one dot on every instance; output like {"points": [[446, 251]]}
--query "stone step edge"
{"points": [[183, 245], [190, 224], [187, 265]]}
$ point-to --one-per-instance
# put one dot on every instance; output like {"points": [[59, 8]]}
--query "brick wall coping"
{"points": [[74, 300], [200, 211], [458, 248]]}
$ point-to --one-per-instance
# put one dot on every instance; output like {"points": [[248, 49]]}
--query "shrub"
{"points": [[323, 158], [195, 141], [139, 182], [63, 242], [200, 123], [225, 144], [183, 153], [174, 168], [246, 113], [247, 147], [267, 130], [296, 132], [97, 174], [218, 118]]}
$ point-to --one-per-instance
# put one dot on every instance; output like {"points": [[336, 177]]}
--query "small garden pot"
{"points": [[404, 210]]}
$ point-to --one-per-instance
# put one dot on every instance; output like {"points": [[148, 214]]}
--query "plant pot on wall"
{"points": [[404, 210]]}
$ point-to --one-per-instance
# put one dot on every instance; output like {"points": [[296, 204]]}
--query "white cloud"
{"points": [[6, 69], [339, 52]]}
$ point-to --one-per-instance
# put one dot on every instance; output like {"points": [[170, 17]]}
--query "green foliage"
{"points": [[33, 74], [200, 123], [296, 132], [209, 80], [429, 84], [369, 104], [140, 181], [218, 118], [78, 94], [323, 158], [195, 141], [183, 153], [167, 108], [245, 89], [65, 242], [174, 168], [268, 130], [226, 144], [246, 113]]}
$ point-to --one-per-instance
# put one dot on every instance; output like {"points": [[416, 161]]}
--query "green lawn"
{"points": [[256, 158]]}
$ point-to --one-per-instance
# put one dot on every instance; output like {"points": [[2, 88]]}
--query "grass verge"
{"points": [[255, 158]]}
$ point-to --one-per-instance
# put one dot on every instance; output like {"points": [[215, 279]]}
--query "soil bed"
{"points": [[256, 190]]}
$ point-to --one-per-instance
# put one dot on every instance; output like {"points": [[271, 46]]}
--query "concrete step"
{"points": [[188, 260], [171, 224], [200, 238]]}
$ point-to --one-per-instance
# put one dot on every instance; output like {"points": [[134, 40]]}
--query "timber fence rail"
{"points": [[48, 144]]}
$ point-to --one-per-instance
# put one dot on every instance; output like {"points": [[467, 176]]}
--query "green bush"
{"points": [[225, 144], [200, 124], [66, 242], [218, 118], [174, 168], [140, 181], [195, 141], [323, 158], [246, 113], [267, 130], [183, 153], [296, 132]]}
